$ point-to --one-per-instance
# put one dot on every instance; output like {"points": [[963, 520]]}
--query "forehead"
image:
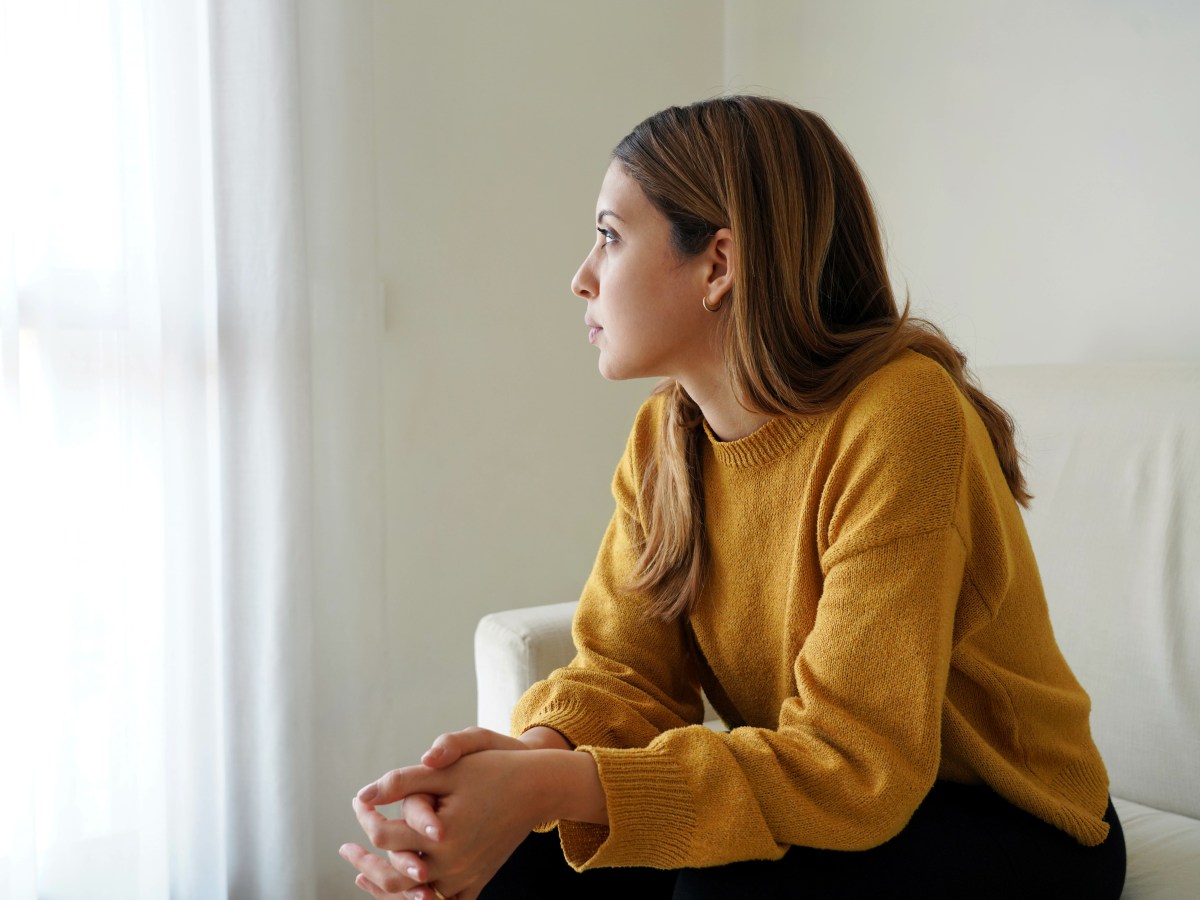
{"points": [[622, 196]]}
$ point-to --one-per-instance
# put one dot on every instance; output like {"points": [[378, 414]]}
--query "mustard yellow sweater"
{"points": [[874, 621]]}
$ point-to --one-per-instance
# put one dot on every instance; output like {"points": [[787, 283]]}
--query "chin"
{"points": [[612, 372]]}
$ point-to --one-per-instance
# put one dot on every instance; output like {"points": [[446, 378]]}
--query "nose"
{"points": [[584, 283]]}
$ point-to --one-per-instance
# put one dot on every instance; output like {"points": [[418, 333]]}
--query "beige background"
{"points": [[1034, 164]]}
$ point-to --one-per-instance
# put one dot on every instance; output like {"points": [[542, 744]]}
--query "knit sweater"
{"points": [[873, 620]]}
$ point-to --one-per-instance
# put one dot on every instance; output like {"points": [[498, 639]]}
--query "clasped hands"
{"points": [[470, 803]]}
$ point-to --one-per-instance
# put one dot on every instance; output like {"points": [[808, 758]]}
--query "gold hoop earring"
{"points": [[704, 303]]}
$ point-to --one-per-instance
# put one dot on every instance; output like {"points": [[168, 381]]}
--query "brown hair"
{"points": [[811, 313]]}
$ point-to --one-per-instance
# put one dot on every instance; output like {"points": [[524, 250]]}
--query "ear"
{"points": [[719, 266]]}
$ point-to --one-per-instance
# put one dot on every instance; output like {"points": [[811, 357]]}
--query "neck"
{"points": [[726, 416]]}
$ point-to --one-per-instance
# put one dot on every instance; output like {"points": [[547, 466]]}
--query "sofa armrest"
{"points": [[514, 649], [517, 647]]}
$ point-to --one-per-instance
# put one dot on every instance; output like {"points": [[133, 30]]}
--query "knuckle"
{"points": [[373, 829], [382, 835], [413, 817], [393, 883]]}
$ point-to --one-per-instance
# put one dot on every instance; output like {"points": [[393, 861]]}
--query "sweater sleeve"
{"points": [[632, 677]]}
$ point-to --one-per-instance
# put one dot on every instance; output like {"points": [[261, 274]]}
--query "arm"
{"points": [[854, 752], [632, 677]]}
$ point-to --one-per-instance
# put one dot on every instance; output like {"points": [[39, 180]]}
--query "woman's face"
{"points": [[644, 310]]}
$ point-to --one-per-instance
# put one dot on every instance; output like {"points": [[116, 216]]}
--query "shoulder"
{"points": [[893, 455], [911, 390], [910, 407]]}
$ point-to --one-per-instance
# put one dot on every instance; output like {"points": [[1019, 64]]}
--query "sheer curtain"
{"points": [[156, 598]]}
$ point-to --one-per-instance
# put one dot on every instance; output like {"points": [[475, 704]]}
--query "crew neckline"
{"points": [[769, 441]]}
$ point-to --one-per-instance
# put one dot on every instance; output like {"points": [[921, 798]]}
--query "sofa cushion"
{"points": [[1164, 853]]}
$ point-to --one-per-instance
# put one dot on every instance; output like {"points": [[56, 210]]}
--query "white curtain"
{"points": [[156, 443]]}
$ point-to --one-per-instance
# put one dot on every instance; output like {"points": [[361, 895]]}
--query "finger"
{"points": [[451, 747], [420, 815], [389, 834], [366, 885], [376, 873], [362, 882], [441, 752], [429, 892], [410, 864], [398, 784]]}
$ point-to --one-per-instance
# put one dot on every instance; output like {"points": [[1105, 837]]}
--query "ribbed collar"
{"points": [[769, 442]]}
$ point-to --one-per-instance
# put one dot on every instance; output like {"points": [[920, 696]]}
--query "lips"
{"points": [[593, 330]]}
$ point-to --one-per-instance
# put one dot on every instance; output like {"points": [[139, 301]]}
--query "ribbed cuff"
{"points": [[1086, 779], [576, 722], [651, 813]]}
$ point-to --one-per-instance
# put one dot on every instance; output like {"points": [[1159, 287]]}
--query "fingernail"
{"points": [[414, 873], [431, 831], [434, 753], [367, 794]]}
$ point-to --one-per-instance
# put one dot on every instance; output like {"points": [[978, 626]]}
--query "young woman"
{"points": [[816, 524]]}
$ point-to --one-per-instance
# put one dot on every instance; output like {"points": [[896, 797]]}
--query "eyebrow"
{"points": [[607, 212]]}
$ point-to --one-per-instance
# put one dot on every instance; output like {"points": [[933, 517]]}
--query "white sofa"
{"points": [[1113, 459]]}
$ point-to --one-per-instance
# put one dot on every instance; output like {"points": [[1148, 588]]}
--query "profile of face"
{"points": [[644, 301]]}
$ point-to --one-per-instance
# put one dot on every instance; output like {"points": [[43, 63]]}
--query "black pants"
{"points": [[963, 841]]}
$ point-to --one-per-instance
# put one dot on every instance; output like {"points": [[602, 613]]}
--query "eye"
{"points": [[609, 236]]}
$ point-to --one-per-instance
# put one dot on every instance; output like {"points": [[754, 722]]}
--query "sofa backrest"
{"points": [[1113, 460]]}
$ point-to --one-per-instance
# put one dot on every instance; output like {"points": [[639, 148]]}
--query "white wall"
{"points": [[1035, 163], [493, 125]]}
